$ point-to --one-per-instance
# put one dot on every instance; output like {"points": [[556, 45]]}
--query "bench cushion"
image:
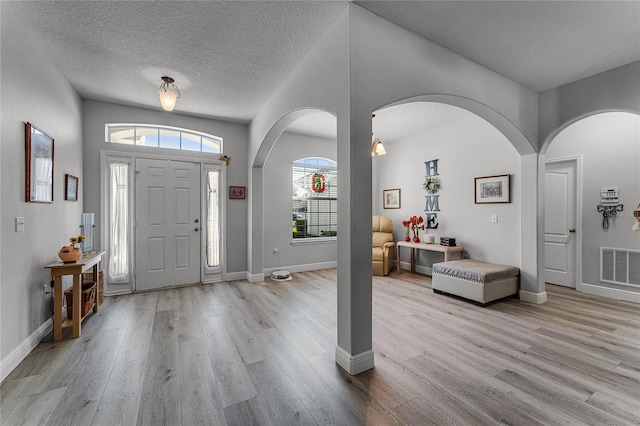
{"points": [[475, 270]]}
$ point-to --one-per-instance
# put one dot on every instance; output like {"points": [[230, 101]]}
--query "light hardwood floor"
{"points": [[239, 353]]}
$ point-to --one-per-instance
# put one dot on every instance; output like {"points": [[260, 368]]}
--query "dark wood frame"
{"points": [[30, 156], [384, 199], [67, 188], [237, 192], [504, 179]]}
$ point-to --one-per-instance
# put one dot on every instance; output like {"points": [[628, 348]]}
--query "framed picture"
{"points": [[237, 192], [39, 165], [70, 188], [391, 198], [493, 189]]}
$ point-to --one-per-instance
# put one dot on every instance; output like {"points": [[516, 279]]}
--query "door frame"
{"points": [[108, 156], [577, 161]]}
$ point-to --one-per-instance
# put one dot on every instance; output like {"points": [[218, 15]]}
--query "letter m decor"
{"points": [[318, 183]]}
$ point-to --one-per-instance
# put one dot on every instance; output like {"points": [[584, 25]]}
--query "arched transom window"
{"points": [[162, 137]]}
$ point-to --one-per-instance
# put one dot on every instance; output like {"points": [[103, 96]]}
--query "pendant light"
{"points": [[377, 148], [168, 93]]}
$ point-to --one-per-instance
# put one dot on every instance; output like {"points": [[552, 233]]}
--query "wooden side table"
{"points": [[424, 246], [77, 268]]}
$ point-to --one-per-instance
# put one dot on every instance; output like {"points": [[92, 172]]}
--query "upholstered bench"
{"points": [[475, 280]]}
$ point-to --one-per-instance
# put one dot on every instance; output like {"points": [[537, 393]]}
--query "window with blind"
{"points": [[314, 198]]}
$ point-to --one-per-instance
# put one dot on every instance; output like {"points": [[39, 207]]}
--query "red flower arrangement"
{"points": [[415, 224]]}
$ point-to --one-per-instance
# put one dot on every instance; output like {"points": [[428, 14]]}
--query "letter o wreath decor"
{"points": [[318, 183], [431, 185]]}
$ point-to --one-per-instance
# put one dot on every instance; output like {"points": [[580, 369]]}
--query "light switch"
{"points": [[19, 224], [494, 218]]}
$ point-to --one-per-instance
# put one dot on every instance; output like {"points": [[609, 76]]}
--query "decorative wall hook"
{"points": [[225, 158], [608, 211]]}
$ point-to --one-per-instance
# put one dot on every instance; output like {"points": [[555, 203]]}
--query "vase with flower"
{"points": [[407, 226], [417, 224], [71, 253]]}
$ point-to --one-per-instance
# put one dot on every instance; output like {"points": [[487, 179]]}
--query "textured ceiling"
{"points": [[229, 57]]}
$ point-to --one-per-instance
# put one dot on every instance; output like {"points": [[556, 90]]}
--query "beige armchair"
{"points": [[383, 245]]}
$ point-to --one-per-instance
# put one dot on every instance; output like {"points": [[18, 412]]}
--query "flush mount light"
{"points": [[168, 93]]}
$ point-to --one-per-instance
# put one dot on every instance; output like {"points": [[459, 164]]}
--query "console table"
{"points": [[77, 268], [425, 246]]}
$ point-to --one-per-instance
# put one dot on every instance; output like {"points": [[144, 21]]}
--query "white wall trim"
{"points": [[254, 278], [11, 361], [537, 298], [354, 364], [235, 276], [613, 293], [303, 267]]}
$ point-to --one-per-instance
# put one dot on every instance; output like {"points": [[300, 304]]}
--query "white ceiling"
{"points": [[228, 57]]}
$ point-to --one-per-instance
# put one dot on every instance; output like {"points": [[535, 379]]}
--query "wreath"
{"points": [[431, 185]]}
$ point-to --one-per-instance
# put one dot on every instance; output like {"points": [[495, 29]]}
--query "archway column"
{"points": [[355, 313], [532, 287]]}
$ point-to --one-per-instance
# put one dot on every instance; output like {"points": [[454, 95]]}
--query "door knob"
{"points": [[196, 221], [572, 230], [197, 229]]}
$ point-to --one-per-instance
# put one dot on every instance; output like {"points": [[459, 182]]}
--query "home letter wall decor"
{"points": [[432, 186]]}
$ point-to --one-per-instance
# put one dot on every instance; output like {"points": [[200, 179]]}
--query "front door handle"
{"points": [[196, 221], [197, 229], [572, 230]]}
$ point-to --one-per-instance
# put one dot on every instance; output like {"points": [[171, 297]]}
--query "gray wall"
{"points": [[466, 149], [33, 90], [97, 114], [277, 203], [609, 144]]}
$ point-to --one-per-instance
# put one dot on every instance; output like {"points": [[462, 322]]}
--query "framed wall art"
{"points": [[391, 198], [70, 188], [493, 189], [237, 192], [39, 165]]}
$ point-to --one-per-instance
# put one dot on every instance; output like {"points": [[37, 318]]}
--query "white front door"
{"points": [[560, 222], [167, 225]]}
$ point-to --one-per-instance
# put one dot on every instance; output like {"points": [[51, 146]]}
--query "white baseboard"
{"points": [[419, 268], [354, 364], [11, 361], [236, 276], [303, 267], [537, 298], [613, 293], [254, 278]]}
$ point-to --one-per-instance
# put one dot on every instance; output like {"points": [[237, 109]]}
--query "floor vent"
{"points": [[620, 266]]}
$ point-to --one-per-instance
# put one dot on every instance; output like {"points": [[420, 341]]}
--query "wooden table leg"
{"points": [[57, 309], [447, 256], [397, 259], [95, 282], [77, 304]]}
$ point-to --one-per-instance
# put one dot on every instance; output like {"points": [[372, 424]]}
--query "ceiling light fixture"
{"points": [[168, 93], [377, 148]]}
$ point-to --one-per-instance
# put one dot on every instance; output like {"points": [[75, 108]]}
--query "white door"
{"points": [[167, 224], [560, 222]]}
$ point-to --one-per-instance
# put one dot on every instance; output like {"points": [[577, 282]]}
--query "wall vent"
{"points": [[620, 266]]}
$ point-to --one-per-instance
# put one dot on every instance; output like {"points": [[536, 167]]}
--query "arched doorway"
{"points": [[605, 148]]}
